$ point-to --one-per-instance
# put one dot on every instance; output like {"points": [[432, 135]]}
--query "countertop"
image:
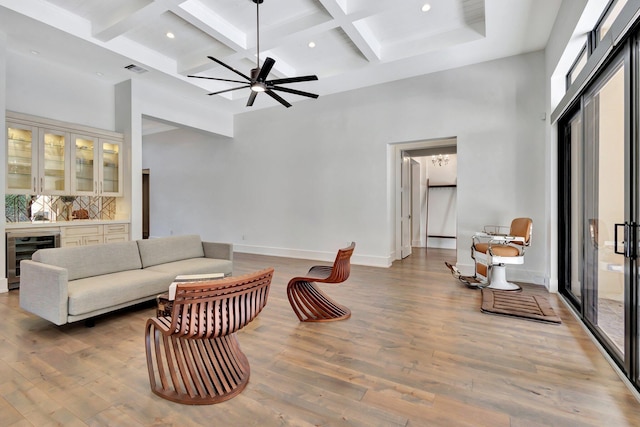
{"points": [[53, 224]]}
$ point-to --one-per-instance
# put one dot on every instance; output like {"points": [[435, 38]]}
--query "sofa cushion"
{"points": [[169, 249], [95, 293], [95, 260], [194, 266]]}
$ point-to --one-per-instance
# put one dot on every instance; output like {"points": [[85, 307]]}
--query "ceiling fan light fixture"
{"points": [[258, 82], [258, 87]]}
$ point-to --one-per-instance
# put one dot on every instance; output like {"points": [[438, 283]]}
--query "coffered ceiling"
{"points": [[358, 43]]}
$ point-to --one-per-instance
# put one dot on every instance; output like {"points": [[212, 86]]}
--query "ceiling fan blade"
{"points": [[266, 69], [277, 98], [252, 97], [228, 90], [215, 78], [294, 91], [292, 80], [228, 67]]}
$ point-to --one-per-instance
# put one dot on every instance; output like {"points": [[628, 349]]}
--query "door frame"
{"points": [[394, 160]]}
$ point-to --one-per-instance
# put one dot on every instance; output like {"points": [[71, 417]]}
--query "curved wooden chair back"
{"points": [[219, 307], [193, 356], [339, 271], [309, 303]]}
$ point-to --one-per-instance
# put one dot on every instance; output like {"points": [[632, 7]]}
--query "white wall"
{"points": [[56, 92], [303, 181]]}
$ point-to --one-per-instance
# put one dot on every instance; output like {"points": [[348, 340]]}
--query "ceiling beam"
{"points": [[209, 22], [125, 19], [364, 41]]}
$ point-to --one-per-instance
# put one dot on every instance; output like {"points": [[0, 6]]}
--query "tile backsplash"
{"points": [[24, 208]]}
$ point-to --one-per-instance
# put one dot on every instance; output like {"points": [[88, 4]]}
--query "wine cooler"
{"points": [[21, 245]]}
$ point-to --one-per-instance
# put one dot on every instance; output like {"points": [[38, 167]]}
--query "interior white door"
{"points": [[405, 205]]}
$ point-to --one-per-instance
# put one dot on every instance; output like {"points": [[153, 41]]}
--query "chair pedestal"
{"points": [[194, 371], [498, 279]]}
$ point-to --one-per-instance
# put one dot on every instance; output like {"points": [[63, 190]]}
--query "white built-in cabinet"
{"points": [[37, 160], [96, 166], [56, 158], [94, 234]]}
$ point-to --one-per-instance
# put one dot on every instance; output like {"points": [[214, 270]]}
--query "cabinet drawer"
{"points": [[116, 229], [83, 230], [112, 238], [92, 240], [71, 241]]}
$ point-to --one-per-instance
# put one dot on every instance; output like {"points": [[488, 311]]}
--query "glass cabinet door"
{"points": [[22, 159], [84, 178], [53, 162], [111, 176]]}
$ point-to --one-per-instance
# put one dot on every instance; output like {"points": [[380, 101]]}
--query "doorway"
{"points": [[145, 203], [421, 165]]}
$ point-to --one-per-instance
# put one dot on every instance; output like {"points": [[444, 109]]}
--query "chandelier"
{"points": [[440, 159]]}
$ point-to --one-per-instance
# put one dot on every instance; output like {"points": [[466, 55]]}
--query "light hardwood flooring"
{"points": [[417, 351]]}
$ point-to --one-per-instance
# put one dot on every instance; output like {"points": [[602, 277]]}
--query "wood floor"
{"points": [[417, 351]]}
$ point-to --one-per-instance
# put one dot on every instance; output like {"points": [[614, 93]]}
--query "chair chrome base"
{"points": [[499, 280]]}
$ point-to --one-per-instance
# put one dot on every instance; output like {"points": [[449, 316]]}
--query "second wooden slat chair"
{"points": [[311, 304]]}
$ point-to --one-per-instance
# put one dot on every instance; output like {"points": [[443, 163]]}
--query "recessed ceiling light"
{"points": [[312, 44], [99, 74], [171, 35], [35, 52], [426, 7]]}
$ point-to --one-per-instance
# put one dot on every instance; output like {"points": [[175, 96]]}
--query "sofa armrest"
{"points": [[218, 250], [43, 290]]}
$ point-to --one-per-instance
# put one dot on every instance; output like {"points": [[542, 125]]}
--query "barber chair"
{"points": [[495, 248]]}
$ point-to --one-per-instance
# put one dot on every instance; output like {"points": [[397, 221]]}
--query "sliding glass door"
{"points": [[606, 199], [598, 215]]}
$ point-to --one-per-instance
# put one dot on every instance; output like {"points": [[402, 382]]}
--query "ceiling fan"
{"points": [[257, 81]]}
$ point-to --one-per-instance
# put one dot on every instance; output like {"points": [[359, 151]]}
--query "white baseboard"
{"points": [[441, 243], [356, 259]]}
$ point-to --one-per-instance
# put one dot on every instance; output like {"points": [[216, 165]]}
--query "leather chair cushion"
{"points": [[498, 250]]}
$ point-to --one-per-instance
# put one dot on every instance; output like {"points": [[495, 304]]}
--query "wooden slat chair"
{"points": [[311, 304], [193, 356]]}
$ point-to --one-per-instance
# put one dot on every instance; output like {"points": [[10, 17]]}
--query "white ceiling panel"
{"points": [[153, 34], [273, 13], [98, 10]]}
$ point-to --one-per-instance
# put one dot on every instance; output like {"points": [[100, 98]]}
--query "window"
{"points": [[577, 66], [608, 18]]}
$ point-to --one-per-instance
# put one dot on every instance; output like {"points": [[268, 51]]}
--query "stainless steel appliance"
{"points": [[21, 245]]}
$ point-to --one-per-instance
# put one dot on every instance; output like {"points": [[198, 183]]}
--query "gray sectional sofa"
{"points": [[64, 285]]}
